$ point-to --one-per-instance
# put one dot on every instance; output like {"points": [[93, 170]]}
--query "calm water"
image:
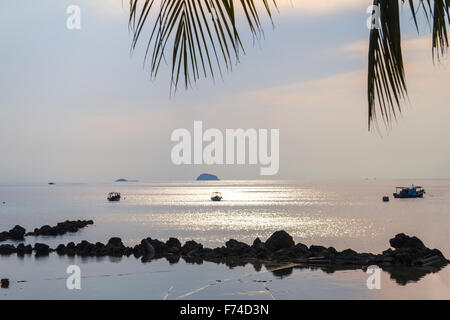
{"points": [[343, 214]]}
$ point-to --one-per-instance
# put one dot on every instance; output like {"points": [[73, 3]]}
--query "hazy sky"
{"points": [[76, 106]]}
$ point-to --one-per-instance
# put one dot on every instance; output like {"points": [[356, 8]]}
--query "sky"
{"points": [[76, 106]]}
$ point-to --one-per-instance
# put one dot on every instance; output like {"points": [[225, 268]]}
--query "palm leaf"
{"points": [[386, 85], [201, 37]]}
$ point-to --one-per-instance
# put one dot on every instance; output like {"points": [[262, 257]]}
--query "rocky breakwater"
{"points": [[61, 228], [17, 233], [279, 247]]}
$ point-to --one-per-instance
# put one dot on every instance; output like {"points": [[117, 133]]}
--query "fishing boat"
{"points": [[409, 192], [216, 196], [113, 196]]}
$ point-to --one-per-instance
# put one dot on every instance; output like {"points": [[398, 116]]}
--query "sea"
{"points": [[339, 213]]}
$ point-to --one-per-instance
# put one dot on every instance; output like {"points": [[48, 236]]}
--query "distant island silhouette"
{"points": [[126, 180], [206, 177]]}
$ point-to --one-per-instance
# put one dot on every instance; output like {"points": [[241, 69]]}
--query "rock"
{"points": [[138, 251], [17, 233], [61, 228], [191, 247], [61, 249], [22, 249], [173, 243], [116, 242], [149, 250], [236, 247], [159, 246], [4, 236], [41, 249], [4, 283], [279, 240], [403, 241], [115, 247], [329, 252], [7, 249], [300, 250], [317, 250], [349, 252], [256, 242]]}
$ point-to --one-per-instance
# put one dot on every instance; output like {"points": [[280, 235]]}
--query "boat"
{"points": [[113, 196], [216, 196], [409, 192]]}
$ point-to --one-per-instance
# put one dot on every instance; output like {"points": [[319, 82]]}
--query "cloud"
{"points": [[319, 7]]}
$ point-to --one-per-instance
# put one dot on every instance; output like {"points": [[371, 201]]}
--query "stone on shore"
{"points": [[279, 240], [24, 249], [236, 247], [401, 241], [61, 228], [41, 249], [149, 250], [7, 249], [4, 283], [17, 233]]}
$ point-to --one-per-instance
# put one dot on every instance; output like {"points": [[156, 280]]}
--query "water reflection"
{"points": [[401, 275]]}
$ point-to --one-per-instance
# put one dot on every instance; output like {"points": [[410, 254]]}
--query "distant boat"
{"points": [[51, 183], [216, 196], [114, 196], [409, 192]]}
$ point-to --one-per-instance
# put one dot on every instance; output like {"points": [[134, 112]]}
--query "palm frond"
{"points": [[198, 37], [386, 85]]}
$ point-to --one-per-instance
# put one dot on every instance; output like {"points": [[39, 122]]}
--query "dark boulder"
{"points": [[173, 243], [191, 247], [317, 250], [41, 249], [4, 236], [148, 249], [349, 252], [17, 233], [300, 250], [115, 242], [138, 251], [24, 249], [279, 240], [236, 247], [4, 283], [401, 241], [7, 249], [61, 228], [61, 249]]}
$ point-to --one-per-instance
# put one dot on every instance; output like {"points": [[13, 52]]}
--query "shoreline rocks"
{"points": [[279, 248], [61, 228], [17, 233]]}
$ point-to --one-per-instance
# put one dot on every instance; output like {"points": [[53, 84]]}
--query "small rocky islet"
{"points": [[280, 247], [18, 233]]}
